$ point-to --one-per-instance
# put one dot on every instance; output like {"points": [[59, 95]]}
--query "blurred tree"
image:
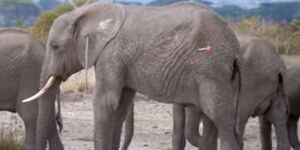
{"points": [[128, 3], [19, 23], [285, 37], [49, 4], [286, 11], [44, 22], [231, 12], [295, 25], [24, 10], [167, 2]]}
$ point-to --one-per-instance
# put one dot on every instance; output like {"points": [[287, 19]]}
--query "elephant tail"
{"points": [[283, 77], [58, 116], [282, 89], [129, 126], [237, 82]]}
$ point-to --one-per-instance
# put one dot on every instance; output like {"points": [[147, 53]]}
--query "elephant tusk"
{"points": [[42, 91]]}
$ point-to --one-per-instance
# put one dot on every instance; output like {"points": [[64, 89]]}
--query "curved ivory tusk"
{"points": [[42, 91]]}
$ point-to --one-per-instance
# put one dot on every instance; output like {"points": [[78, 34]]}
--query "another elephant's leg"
{"points": [[277, 114], [210, 135], [218, 102], [178, 139], [265, 133], [293, 131], [192, 122], [28, 113], [126, 99]]}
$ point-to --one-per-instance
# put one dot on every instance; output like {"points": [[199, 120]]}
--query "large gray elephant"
{"points": [[181, 53], [262, 94], [292, 92], [21, 60]]}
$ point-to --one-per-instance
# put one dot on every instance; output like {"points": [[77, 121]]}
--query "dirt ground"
{"points": [[153, 125]]}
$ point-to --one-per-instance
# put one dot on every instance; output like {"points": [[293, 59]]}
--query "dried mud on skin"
{"points": [[153, 125]]}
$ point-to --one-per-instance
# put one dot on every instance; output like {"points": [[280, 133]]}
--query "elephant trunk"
{"points": [[46, 123]]}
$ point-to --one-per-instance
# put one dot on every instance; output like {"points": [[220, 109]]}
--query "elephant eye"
{"points": [[55, 47]]}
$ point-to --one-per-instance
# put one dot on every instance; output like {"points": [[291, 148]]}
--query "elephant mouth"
{"points": [[39, 94]]}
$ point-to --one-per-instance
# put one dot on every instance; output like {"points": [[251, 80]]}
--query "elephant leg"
{"points": [[126, 99], [277, 114], [293, 130], [210, 135], [55, 141], [107, 109], [192, 122], [29, 116], [265, 127], [178, 139], [217, 102]]}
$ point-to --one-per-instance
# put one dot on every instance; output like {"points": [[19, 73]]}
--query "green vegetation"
{"points": [[44, 22]]}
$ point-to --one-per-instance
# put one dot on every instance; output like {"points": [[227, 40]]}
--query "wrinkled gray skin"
{"points": [[152, 50], [292, 91], [21, 59], [262, 94]]}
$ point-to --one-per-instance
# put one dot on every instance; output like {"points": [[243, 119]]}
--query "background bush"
{"points": [[284, 36]]}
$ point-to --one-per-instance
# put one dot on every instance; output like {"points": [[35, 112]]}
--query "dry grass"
{"points": [[77, 82], [10, 138], [284, 36], [9, 141]]}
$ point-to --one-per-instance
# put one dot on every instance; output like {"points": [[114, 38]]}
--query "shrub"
{"points": [[44, 22], [285, 37]]}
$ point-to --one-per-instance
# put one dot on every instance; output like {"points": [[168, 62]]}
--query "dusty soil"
{"points": [[153, 125]]}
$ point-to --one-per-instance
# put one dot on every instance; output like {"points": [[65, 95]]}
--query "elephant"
{"points": [[292, 92], [21, 60], [263, 94], [183, 53]]}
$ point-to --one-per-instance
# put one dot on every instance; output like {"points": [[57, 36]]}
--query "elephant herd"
{"points": [[183, 54]]}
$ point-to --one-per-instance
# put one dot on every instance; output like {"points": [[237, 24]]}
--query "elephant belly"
{"points": [[178, 89], [8, 95]]}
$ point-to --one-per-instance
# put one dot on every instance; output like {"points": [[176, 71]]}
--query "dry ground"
{"points": [[153, 125]]}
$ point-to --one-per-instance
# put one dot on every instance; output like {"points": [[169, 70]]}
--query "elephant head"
{"points": [[77, 38], [75, 41]]}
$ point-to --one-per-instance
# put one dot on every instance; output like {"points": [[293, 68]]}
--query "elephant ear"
{"points": [[100, 23]]}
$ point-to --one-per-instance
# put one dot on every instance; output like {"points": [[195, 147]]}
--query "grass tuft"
{"points": [[10, 138]]}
